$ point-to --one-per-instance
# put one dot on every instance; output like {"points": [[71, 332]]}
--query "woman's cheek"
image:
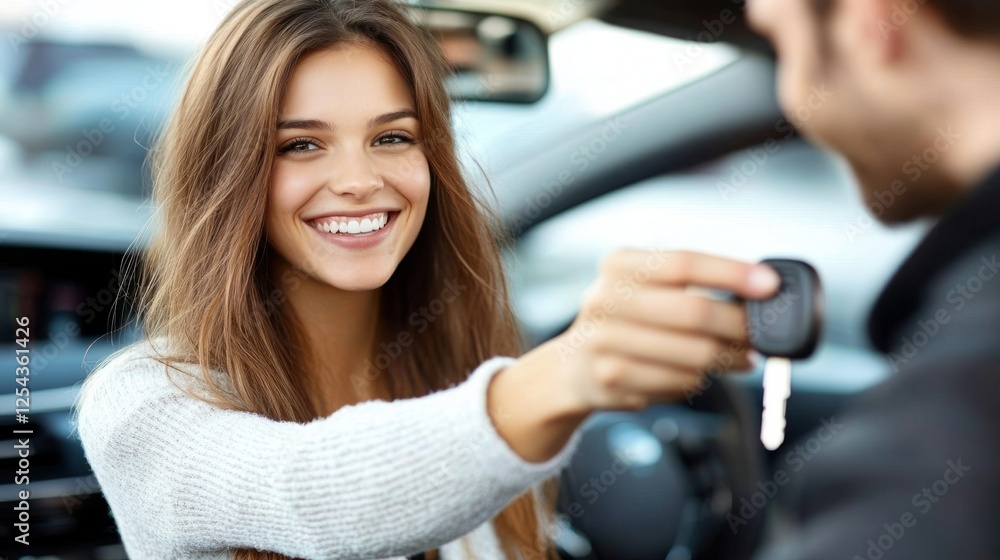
{"points": [[291, 188], [412, 178]]}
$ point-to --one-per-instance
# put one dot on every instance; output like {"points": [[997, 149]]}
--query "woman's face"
{"points": [[351, 180]]}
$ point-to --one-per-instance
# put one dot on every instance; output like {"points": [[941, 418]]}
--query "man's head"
{"points": [[903, 89]]}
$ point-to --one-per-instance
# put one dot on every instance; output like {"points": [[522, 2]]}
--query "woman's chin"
{"points": [[362, 282]]}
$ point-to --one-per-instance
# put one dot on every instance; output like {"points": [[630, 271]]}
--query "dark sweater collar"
{"points": [[967, 223]]}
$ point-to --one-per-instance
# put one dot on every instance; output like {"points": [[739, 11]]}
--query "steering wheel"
{"points": [[669, 482]]}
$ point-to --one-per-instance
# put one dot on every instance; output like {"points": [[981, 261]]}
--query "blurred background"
{"points": [[600, 133]]}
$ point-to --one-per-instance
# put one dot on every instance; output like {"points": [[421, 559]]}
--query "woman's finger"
{"points": [[667, 347], [677, 309], [635, 383], [682, 268]]}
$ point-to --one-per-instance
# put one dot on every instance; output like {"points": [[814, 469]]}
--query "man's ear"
{"points": [[882, 26]]}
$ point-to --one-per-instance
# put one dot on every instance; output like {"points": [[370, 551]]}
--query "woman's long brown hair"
{"points": [[206, 286]]}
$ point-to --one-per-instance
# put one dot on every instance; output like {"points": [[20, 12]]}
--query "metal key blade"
{"points": [[777, 389]]}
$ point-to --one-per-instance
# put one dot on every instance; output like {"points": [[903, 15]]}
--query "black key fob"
{"points": [[789, 324]]}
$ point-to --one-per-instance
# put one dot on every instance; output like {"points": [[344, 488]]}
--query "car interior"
{"points": [[705, 162]]}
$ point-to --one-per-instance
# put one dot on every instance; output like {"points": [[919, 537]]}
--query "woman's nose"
{"points": [[355, 174]]}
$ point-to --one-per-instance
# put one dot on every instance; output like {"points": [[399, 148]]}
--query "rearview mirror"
{"points": [[493, 57]]}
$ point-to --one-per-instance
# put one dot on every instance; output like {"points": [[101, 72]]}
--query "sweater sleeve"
{"points": [[376, 479]]}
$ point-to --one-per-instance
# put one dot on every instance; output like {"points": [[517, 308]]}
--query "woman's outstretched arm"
{"points": [[641, 336], [376, 479]]}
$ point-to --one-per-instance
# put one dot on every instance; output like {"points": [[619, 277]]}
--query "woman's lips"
{"points": [[358, 240], [351, 224]]}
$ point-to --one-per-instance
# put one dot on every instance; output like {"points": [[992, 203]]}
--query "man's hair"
{"points": [[972, 18]]}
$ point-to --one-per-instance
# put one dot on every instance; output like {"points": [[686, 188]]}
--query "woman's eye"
{"points": [[298, 146], [394, 138]]}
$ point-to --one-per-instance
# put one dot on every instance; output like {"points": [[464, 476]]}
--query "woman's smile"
{"points": [[352, 224], [355, 232]]}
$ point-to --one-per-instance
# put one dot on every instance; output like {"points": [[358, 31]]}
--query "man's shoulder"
{"points": [[971, 285], [959, 318]]}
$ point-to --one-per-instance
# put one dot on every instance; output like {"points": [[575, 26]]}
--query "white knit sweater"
{"points": [[374, 480]]}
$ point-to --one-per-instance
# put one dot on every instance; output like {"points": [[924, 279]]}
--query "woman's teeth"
{"points": [[366, 224]]}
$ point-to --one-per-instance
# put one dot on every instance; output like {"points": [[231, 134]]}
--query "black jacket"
{"points": [[914, 472]]}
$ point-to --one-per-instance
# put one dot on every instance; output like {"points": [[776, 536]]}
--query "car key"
{"points": [[783, 328]]}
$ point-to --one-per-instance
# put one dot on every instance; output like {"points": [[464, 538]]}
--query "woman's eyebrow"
{"points": [[393, 116], [315, 124], [305, 124]]}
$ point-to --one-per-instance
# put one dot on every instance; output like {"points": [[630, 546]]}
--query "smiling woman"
{"points": [[332, 296], [307, 213]]}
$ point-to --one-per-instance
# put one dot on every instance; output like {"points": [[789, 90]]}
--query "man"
{"points": [[915, 471]]}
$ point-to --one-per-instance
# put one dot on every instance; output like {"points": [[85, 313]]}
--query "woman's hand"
{"points": [[641, 336]]}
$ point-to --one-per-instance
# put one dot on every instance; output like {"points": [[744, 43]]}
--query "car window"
{"points": [[595, 75]]}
